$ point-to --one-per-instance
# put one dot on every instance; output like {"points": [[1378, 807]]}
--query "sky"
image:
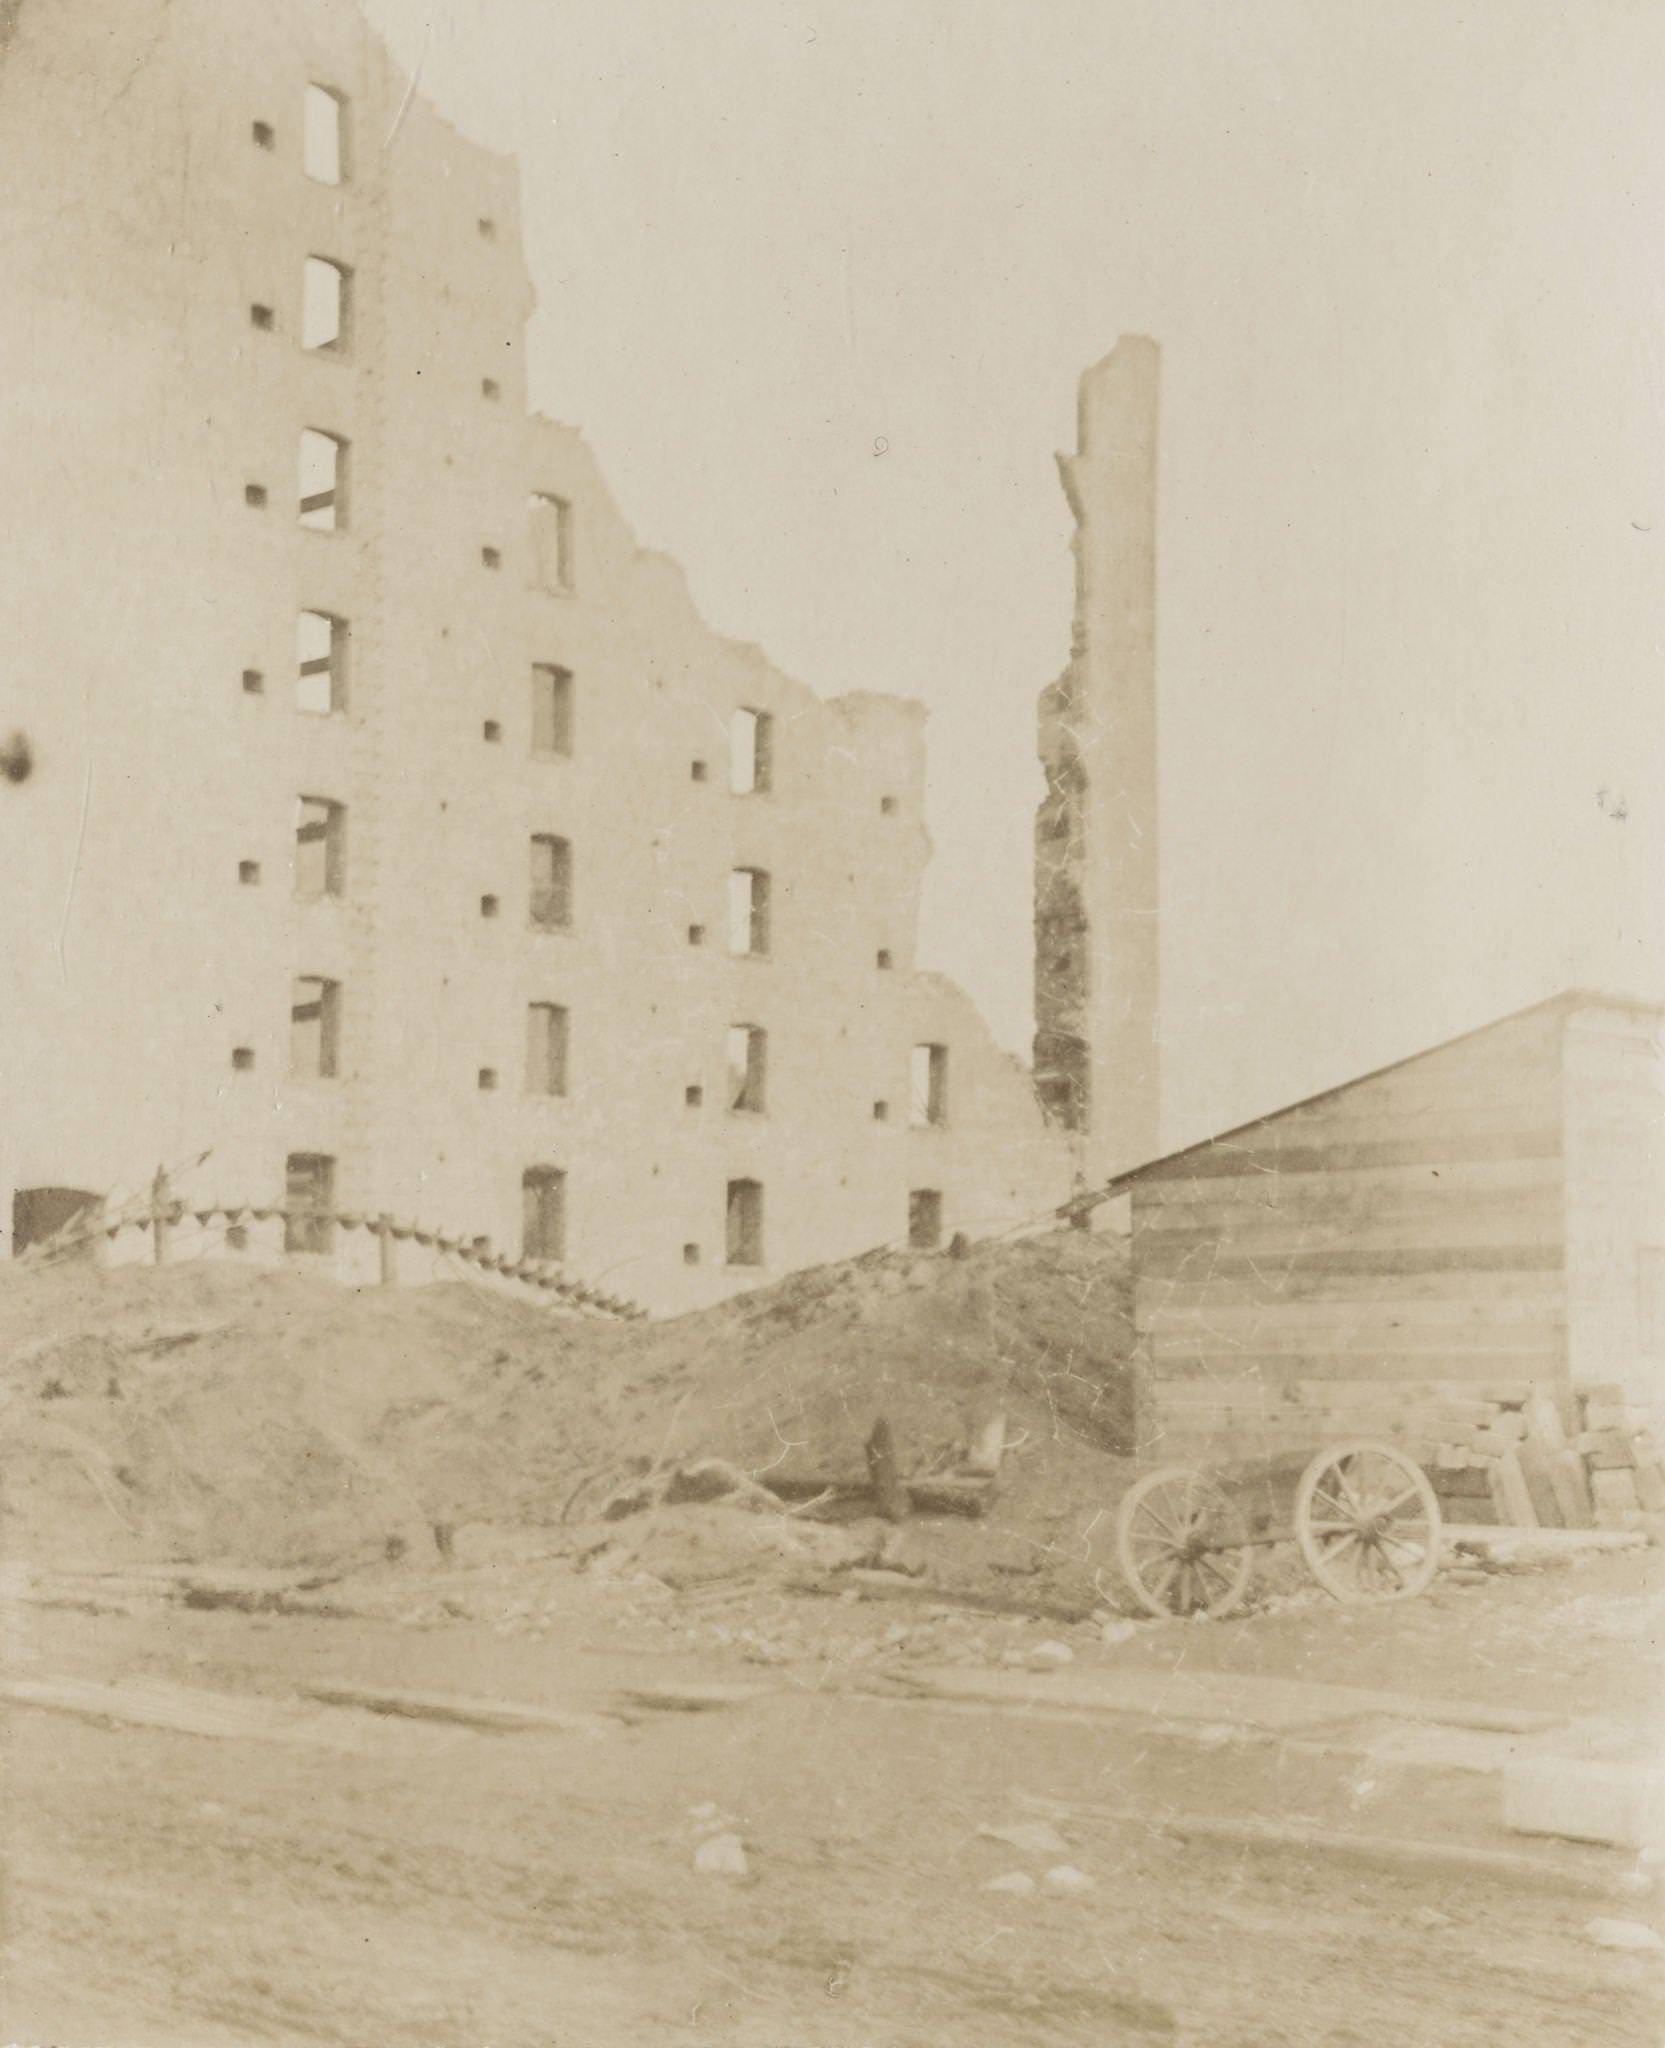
{"points": [[817, 279]]}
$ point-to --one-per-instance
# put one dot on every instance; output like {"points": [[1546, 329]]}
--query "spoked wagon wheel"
{"points": [[1367, 1521], [1182, 1544]]}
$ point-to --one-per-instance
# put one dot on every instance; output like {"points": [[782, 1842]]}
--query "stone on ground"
{"points": [[721, 1856]]}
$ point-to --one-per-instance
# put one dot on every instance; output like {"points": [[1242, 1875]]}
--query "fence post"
{"points": [[159, 1218], [384, 1250]]}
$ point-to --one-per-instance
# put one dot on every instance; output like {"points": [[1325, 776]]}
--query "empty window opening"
{"points": [[488, 906], [248, 873], [487, 228], [265, 136], [487, 1079], [490, 388], [887, 804], [550, 519], [552, 696], [309, 1202], [321, 672], [748, 911], [881, 1112], [323, 136], [690, 1254], [261, 317], [924, 1219], [928, 1085], [543, 1213], [254, 683], [745, 1223], [750, 748], [491, 730], [491, 558], [255, 495], [696, 935], [748, 1053], [547, 1040], [696, 771], [314, 1028], [237, 1237], [320, 847], [881, 959], [323, 480], [693, 1095], [325, 296], [551, 864], [242, 1058]]}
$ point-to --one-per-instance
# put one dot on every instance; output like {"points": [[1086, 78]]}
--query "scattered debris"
{"points": [[1629, 1934], [721, 1856], [1050, 1656]]}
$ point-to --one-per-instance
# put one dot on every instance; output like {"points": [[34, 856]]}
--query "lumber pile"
{"points": [[1526, 1458]]}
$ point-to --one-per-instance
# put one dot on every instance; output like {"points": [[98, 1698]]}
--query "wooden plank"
{"points": [[1394, 1291], [1372, 1356], [1234, 1160], [1354, 1258], [1447, 1417], [1510, 1496], [1251, 1200], [1548, 1366], [1391, 1221], [1524, 1187], [1455, 1399], [1432, 1145], [1540, 1484], [1447, 1412], [1236, 1321]]}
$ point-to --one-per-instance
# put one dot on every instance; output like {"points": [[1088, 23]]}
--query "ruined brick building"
{"points": [[397, 834]]}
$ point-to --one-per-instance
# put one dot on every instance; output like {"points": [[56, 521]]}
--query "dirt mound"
{"points": [[204, 1413]]}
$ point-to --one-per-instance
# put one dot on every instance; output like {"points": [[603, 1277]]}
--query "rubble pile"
{"points": [[201, 1413], [1522, 1457]]}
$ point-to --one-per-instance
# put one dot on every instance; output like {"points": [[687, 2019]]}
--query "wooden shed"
{"points": [[1487, 1213]]}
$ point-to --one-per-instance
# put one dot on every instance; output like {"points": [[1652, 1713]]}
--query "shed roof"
{"points": [[1567, 1001]]}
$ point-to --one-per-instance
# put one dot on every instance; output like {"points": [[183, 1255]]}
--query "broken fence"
{"points": [[163, 1214]]}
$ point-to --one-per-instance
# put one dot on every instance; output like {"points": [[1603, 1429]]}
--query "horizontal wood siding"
{"points": [[1349, 1265]]}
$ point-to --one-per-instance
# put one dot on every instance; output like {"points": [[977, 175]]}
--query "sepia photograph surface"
{"points": [[832, 970]]}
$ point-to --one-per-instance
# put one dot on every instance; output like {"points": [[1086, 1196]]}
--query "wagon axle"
{"points": [[1364, 1518]]}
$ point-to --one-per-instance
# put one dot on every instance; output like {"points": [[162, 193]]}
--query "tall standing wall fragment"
{"points": [[1096, 859]]}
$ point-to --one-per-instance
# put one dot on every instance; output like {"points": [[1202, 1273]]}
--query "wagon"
{"points": [[1362, 1514]]}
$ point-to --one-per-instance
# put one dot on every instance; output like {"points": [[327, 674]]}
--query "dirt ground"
{"points": [[232, 1507], [434, 1884]]}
